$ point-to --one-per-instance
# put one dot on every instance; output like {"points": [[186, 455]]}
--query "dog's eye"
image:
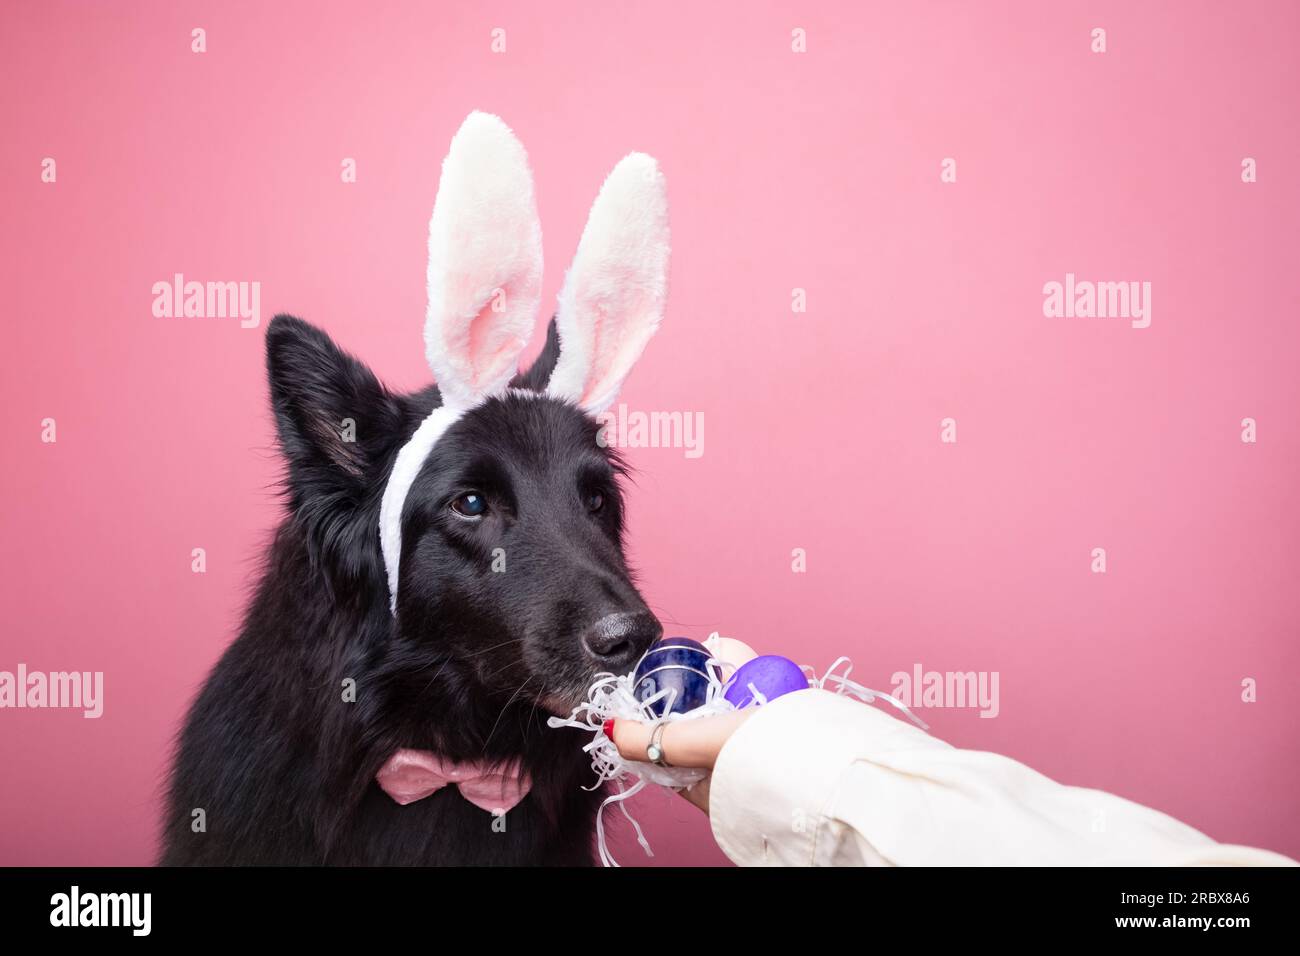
{"points": [[595, 501], [470, 505]]}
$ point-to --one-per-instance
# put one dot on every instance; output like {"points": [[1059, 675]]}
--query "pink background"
{"points": [[818, 171]]}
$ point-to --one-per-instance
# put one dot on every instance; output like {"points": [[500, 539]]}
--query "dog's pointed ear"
{"points": [[336, 423], [485, 263], [614, 294], [539, 373]]}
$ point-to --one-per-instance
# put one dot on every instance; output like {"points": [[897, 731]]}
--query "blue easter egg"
{"points": [[771, 675], [676, 664]]}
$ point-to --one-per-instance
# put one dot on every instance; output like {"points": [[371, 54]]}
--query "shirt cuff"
{"points": [[775, 777]]}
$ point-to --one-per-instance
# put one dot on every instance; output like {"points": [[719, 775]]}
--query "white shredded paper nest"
{"points": [[612, 696]]}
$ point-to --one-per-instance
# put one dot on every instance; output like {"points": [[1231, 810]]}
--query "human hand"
{"points": [[688, 743], [685, 743]]}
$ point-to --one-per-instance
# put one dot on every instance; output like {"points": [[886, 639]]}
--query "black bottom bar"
{"points": [[577, 909]]}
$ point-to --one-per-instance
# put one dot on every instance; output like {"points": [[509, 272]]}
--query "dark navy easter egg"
{"points": [[679, 666], [770, 675]]}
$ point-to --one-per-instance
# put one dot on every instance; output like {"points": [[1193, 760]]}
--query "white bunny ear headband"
{"points": [[485, 276]]}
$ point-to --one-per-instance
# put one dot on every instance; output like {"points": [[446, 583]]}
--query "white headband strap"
{"points": [[408, 464]]}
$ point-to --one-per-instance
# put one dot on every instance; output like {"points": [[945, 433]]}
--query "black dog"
{"points": [[445, 579], [280, 764]]}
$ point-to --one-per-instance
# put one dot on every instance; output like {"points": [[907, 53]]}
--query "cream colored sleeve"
{"points": [[816, 779]]}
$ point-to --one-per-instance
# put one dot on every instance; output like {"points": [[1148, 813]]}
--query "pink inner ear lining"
{"points": [[617, 337], [600, 318], [479, 329], [491, 347], [626, 352]]}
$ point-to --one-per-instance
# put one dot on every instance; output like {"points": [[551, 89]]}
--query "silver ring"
{"points": [[654, 751]]}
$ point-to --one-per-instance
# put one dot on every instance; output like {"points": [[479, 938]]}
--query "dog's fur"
{"points": [[281, 765]]}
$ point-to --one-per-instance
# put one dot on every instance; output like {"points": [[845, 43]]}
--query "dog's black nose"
{"points": [[617, 641]]}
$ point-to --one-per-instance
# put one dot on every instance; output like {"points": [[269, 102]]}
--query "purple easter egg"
{"points": [[771, 675], [676, 664]]}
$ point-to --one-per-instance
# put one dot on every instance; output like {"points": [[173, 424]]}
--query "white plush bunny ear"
{"points": [[485, 263], [613, 296]]}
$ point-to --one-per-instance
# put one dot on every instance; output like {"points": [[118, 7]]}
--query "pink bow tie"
{"points": [[410, 775]]}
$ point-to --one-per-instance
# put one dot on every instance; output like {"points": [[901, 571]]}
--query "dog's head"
{"points": [[486, 515]]}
